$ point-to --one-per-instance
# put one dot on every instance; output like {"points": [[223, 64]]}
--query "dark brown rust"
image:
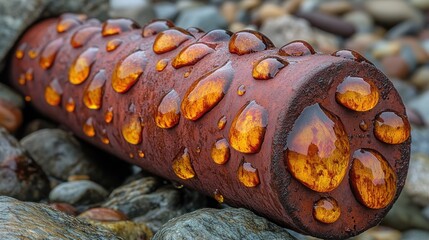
{"points": [[293, 83]]}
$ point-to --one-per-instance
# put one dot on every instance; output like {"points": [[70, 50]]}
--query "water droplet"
{"points": [[326, 210], [88, 127], [27, 98], [170, 39], [248, 128], [191, 55], [372, 179], [29, 74], [187, 73], [351, 55], [318, 149], [104, 137], [182, 165], [53, 93], [21, 79], [19, 54], [156, 26], [168, 113], [248, 41], [220, 151], [217, 195], [132, 130], [205, 93], [82, 36], [221, 122], [33, 53], [70, 105], [248, 175], [108, 115], [49, 53], [241, 90], [161, 65], [177, 185], [93, 93], [66, 24], [116, 26], [358, 94], [194, 30], [128, 70], [267, 68], [113, 44], [81, 67], [131, 155], [296, 49], [363, 126], [215, 36], [390, 127], [141, 154]]}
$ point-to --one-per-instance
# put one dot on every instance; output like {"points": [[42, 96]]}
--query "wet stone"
{"points": [[81, 192], [126, 229], [11, 116], [103, 214], [417, 184]]}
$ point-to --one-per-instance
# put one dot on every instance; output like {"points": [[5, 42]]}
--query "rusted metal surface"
{"points": [[301, 81]]}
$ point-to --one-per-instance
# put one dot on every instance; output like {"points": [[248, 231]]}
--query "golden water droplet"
{"points": [[248, 175], [187, 73], [326, 210], [390, 127], [33, 53], [351, 55], [29, 74], [156, 26], [104, 137], [49, 53], [372, 179], [93, 93], [132, 130], [27, 98], [363, 126], [161, 65], [82, 36], [81, 67], [296, 49], [116, 26], [220, 151], [21, 79], [113, 44], [317, 149], [267, 68], [356, 93], [168, 113], [141, 154], [19, 54], [66, 24], [241, 90], [70, 105], [217, 195], [221, 122], [194, 30], [198, 150], [53, 93], [215, 36], [248, 128], [108, 115], [205, 93], [88, 127], [191, 55], [248, 41], [182, 165], [177, 185], [131, 155], [170, 39], [128, 70]]}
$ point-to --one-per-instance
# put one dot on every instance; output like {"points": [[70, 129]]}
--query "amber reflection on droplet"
{"points": [[132, 130], [108, 115], [82, 36], [21, 79], [131, 155], [191, 55], [317, 149], [49, 53], [70, 105], [194, 30], [128, 70], [297, 48], [221, 122], [182, 165], [141, 154], [363, 125], [187, 73], [116, 26], [390, 127], [170, 39], [19, 54], [104, 137], [358, 94], [93, 93], [113, 44], [372, 179], [66, 24], [81, 67], [248, 175], [168, 112], [33, 53], [53, 93], [88, 127], [161, 65], [326, 210], [217, 195], [241, 90], [248, 41], [29, 74], [248, 128], [215, 36], [267, 68], [156, 27], [205, 93], [351, 55], [27, 98], [220, 151]]}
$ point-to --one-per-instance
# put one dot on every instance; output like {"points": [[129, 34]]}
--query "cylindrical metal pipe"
{"points": [[317, 143]]}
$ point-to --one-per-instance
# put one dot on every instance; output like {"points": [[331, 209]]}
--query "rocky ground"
{"points": [[85, 194]]}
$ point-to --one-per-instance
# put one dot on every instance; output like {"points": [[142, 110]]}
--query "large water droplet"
{"points": [[93, 93], [88, 127], [70, 105], [221, 122], [248, 175], [182, 165], [326, 210], [248, 128], [296, 49], [132, 130], [372, 179], [217, 195], [53, 93], [351, 55], [156, 26], [215, 36], [69, 21], [390, 127], [191, 55], [220, 151], [205, 93], [267, 68], [116, 26], [128, 70], [19, 54], [141, 154], [49, 53], [248, 41], [81, 67], [168, 113], [82, 36], [318, 149], [170, 39], [108, 115], [113, 44], [356, 93], [161, 65]]}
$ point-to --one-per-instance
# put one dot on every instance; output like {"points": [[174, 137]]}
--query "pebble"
{"points": [[36, 125], [336, 7], [165, 10], [383, 48], [230, 223], [103, 214], [395, 66], [229, 11], [391, 12], [205, 17], [81, 192], [410, 27], [362, 21], [420, 105], [126, 230], [10, 116], [361, 42], [65, 208], [267, 11], [417, 184], [420, 78], [140, 11], [415, 235], [420, 140], [10, 96], [249, 4], [328, 23], [20, 176], [421, 4], [406, 90], [379, 233]]}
